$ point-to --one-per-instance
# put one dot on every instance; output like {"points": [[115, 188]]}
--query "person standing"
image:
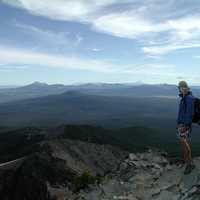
{"points": [[184, 123]]}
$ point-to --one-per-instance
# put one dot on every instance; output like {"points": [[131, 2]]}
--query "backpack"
{"points": [[196, 116]]}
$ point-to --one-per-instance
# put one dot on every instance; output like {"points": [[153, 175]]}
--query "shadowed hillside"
{"points": [[78, 108], [22, 142]]}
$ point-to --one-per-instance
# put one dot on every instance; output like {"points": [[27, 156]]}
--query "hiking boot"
{"points": [[181, 165], [189, 168]]}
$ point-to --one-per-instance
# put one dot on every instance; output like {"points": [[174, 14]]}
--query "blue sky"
{"points": [[81, 41]]}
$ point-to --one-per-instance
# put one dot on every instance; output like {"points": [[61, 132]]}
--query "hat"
{"points": [[183, 84]]}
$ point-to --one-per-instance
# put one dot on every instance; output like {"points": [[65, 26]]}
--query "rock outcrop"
{"points": [[148, 176], [67, 169], [57, 168]]}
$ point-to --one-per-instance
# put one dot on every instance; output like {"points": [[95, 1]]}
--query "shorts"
{"points": [[186, 134]]}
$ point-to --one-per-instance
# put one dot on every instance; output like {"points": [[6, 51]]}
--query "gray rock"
{"points": [[133, 156]]}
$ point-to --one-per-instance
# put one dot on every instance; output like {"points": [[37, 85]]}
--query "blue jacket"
{"points": [[186, 109]]}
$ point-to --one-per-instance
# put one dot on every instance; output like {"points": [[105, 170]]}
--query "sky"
{"points": [[112, 41]]}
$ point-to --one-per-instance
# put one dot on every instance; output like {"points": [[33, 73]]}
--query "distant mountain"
{"points": [[77, 107], [132, 90], [138, 90], [33, 90], [38, 89]]}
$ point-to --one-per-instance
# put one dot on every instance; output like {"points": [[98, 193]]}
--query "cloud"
{"points": [[183, 33], [79, 10], [10, 68], [97, 13], [10, 56], [78, 40], [160, 50], [47, 37], [14, 59], [161, 27], [157, 69], [96, 49]]}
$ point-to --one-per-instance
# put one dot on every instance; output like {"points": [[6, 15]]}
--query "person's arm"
{"points": [[189, 111], [179, 120]]}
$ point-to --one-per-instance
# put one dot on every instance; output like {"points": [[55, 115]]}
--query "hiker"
{"points": [[184, 123]]}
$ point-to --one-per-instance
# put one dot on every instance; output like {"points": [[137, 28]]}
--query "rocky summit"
{"points": [[59, 167], [63, 169], [151, 175]]}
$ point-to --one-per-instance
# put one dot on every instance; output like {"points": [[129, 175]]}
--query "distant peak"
{"points": [[35, 84], [38, 83]]}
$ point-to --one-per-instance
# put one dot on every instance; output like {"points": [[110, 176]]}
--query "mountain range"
{"points": [[107, 105], [39, 89], [75, 107]]}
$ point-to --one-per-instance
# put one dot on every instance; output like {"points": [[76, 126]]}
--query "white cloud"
{"points": [[10, 56], [45, 39], [9, 68], [22, 59], [122, 25], [96, 49], [183, 33], [160, 50], [158, 69], [46, 36], [168, 25], [79, 39], [61, 9]]}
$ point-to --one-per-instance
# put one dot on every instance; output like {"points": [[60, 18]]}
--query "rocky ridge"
{"points": [[59, 167], [148, 176], [64, 169]]}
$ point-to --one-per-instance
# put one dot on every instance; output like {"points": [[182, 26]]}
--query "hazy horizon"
{"points": [[83, 83]]}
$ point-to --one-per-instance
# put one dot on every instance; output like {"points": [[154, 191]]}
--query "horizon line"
{"points": [[85, 83]]}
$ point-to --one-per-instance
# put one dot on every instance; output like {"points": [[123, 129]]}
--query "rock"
{"points": [[133, 156], [169, 167], [166, 195], [156, 192], [157, 166], [123, 166], [139, 194]]}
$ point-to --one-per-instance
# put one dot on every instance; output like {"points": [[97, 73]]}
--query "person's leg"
{"points": [[190, 165], [187, 159], [184, 137], [189, 143], [184, 150], [188, 149]]}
